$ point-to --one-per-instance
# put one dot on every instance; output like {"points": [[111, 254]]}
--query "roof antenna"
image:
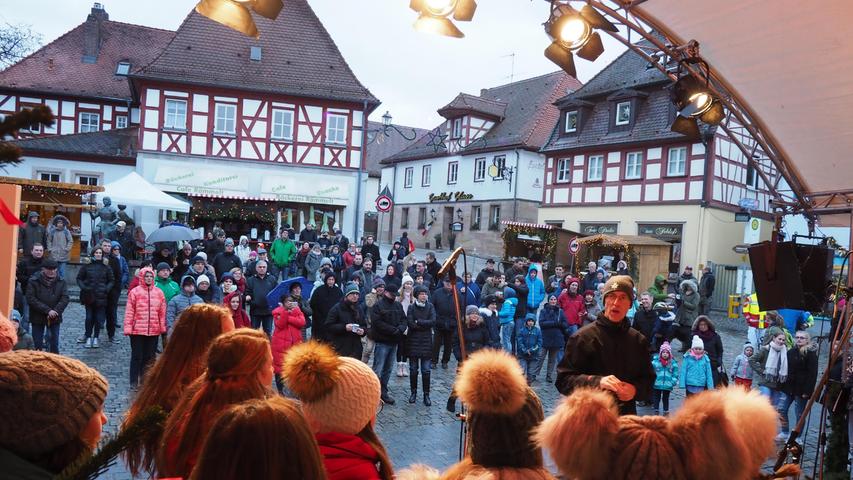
{"points": [[512, 67]]}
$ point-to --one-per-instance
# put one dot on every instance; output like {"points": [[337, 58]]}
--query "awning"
{"points": [[791, 63], [134, 190]]}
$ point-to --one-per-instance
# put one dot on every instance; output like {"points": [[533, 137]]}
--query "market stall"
{"points": [[50, 199], [646, 257], [538, 242]]}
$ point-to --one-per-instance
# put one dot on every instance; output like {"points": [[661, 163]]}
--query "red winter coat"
{"points": [[145, 313], [348, 258], [288, 332], [241, 319], [347, 457], [573, 307]]}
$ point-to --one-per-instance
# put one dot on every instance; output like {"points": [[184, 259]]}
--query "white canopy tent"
{"points": [[133, 190], [788, 65]]}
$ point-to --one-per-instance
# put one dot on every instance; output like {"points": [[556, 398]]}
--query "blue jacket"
{"points": [[665, 377], [696, 373], [507, 312], [178, 304], [471, 295], [535, 291], [554, 327], [528, 341]]}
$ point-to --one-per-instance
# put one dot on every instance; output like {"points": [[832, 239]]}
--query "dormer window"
{"points": [[123, 68], [571, 122], [623, 113], [457, 128]]}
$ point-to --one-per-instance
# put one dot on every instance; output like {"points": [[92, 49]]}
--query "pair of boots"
{"points": [[413, 384], [402, 369]]}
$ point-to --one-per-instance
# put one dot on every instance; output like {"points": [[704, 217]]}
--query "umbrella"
{"points": [[172, 233], [284, 287]]}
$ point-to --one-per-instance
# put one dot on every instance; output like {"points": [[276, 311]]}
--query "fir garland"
{"points": [[547, 248], [241, 209]]}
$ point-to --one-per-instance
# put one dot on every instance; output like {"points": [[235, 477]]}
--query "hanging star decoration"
{"points": [[436, 140]]}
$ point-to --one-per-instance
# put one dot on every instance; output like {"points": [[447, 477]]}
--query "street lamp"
{"points": [[235, 13], [387, 129]]}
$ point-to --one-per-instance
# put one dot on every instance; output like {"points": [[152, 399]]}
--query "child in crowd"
{"points": [[289, 449], [528, 347], [666, 377], [696, 375], [182, 361], [289, 321], [664, 325], [507, 318], [25, 340], [590, 306], [741, 370], [239, 368]]}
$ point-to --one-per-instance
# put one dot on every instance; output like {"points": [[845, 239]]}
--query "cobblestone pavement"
{"points": [[411, 433]]}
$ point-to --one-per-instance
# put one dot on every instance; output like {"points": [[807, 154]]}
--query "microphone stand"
{"points": [[448, 269]]}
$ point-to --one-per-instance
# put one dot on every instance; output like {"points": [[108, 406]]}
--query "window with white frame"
{"points": [[494, 217], [595, 168], [426, 175], [476, 217], [480, 169], [49, 175], [571, 122], [457, 128], [500, 162], [282, 124], [121, 121], [676, 163], [226, 118], [408, 177], [123, 68], [336, 129], [176, 114], [89, 122], [452, 172], [634, 165], [87, 179], [564, 170], [623, 113]]}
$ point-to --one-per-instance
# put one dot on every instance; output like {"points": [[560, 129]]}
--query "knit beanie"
{"points": [[351, 287], [47, 400], [665, 347], [163, 266], [419, 290], [338, 394], [8, 334], [620, 283], [202, 279], [471, 309], [502, 411], [407, 279], [697, 342]]}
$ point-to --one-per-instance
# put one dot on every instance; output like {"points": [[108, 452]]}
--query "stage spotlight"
{"points": [[572, 32], [434, 15], [236, 13], [694, 102]]}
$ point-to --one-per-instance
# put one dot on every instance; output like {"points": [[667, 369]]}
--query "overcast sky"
{"points": [[412, 73]]}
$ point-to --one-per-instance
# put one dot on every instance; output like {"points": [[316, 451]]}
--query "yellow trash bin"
{"points": [[734, 306]]}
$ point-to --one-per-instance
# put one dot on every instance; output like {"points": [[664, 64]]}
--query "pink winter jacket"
{"points": [[288, 332], [145, 313]]}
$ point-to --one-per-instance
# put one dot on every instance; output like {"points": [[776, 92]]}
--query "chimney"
{"points": [[92, 33]]}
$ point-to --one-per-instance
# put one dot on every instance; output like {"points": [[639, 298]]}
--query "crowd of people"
{"points": [[330, 343]]}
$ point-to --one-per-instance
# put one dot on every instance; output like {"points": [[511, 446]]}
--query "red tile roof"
{"points": [[467, 103], [298, 57], [58, 67]]}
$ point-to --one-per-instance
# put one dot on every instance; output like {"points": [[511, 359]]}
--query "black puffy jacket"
{"points": [[421, 320], [346, 343], [445, 309], [257, 288], [323, 299], [44, 297], [476, 338], [388, 321], [95, 281], [554, 327], [223, 263]]}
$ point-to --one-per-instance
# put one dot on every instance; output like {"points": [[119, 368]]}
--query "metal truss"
{"points": [[664, 51]]}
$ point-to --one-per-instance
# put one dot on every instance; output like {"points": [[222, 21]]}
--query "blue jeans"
{"points": [[784, 405], [95, 318], [384, 356], [506, 336], [530, 364], [38, 337], [572, 329], [61, 270], [773, 395], [425, 364]]}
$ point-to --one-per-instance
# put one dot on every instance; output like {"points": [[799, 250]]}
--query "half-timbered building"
{"points": [[480, 166], [613, 166]]}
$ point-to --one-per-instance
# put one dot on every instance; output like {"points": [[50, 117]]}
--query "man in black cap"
{"points": [[47, 297], [387, 329], [608, 353], [485, 273]]}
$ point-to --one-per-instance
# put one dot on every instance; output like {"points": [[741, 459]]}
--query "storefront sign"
{"points": [[306, 189], [450, 196], [597, 228], [661, 231], [201, 181]]}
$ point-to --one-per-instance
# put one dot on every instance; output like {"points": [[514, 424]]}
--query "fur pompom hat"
{"points": [[502, 411], [338, 394], [719, 434]]}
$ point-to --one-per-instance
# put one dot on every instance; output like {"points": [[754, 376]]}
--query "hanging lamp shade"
{"points": [[230, 13]]}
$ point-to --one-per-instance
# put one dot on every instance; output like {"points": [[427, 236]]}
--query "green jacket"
{"points": [[15, 467], [282, 252], [658, 290], [169, 287]]}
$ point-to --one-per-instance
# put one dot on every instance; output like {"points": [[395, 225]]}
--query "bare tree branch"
{"points": [[16, 42]]}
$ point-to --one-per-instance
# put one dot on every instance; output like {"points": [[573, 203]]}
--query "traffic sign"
{"points": [[748, 203], [574, 246], [384, 203]]}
